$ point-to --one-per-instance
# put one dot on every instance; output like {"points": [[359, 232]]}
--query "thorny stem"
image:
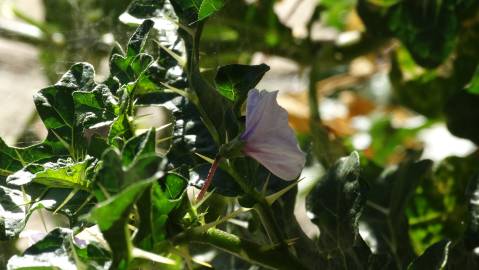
{"points": [[266, 256]]}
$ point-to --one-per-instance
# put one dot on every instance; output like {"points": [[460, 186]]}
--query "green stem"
{"points": [[205, 119], [196, 83], [268, 257], [323, 146], [269, 222]]}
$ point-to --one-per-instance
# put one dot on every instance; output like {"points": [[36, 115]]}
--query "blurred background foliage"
{"points": [[397, 80]]}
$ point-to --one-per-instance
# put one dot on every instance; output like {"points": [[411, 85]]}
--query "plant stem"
{"points": [[200, 90], [268, 257], [321, 141], [269, 223]]}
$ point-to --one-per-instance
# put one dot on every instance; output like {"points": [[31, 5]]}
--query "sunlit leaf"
{"points": [[59, 174]]}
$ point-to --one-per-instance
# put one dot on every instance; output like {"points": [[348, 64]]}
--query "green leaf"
{"points": [[136, 66], [473, 86], [71, 203], [16, 208], [13, 159], [137, 41], [336, 203], [73, 105], [113, 177], [118, 185], [60, 174], [93, 107], [144, 8], [12, 214], [446, 254], [120, 128], [384, 223], [136, 162], [435, 257], [112, 217], [209, 7], [461, 110], [190, 136], [136, 147], [164, 198], [168, 68], [416, 24], [55, 107], [201, 8], [154, 208], [108, 212], [134, 69], [234, 81], [60, 250], [80, 76], [439, 207]]}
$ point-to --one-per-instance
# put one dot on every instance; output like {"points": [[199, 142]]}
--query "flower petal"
{"points": [[269, 139]]}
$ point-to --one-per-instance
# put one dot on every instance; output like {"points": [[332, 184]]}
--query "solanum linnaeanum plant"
{"points": [[127, 184]]}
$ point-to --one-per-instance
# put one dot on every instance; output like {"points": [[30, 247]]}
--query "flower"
{"points": [[268, 137]]}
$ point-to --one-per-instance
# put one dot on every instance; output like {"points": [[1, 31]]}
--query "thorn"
{"points": [[270, 199], [67, 199]]}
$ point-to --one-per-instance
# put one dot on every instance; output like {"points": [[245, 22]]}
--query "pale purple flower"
{"points": [[268, 137]]}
